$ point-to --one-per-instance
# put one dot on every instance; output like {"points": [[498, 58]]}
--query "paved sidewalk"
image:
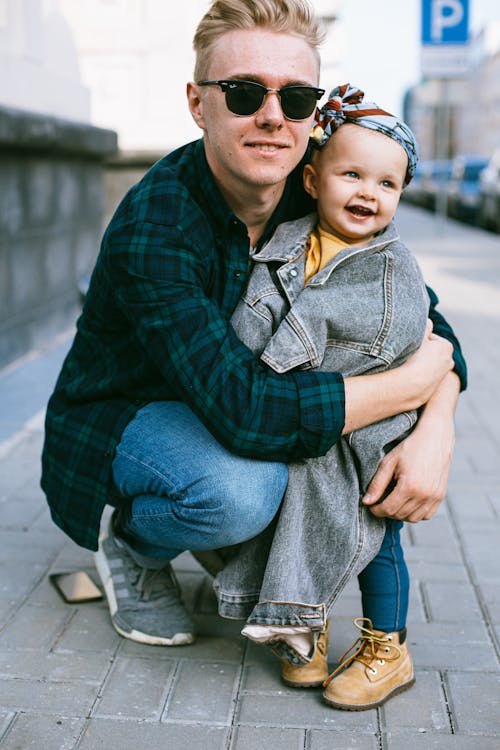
{"points": [[69, 682]]}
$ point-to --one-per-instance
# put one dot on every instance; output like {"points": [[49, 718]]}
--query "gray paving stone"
{"points": [[205, 648], [6, 720], [102, 734], [22, 547], [136, 688], [490, 593], [331, 740], [483, 455], [473, 506], [33, 628], [494, 498], [218, 627], [428, 695], [448, 553], [192, 585], [42, 732], [431, 534], [256, 738], [90, 629], [428, 741], [475, 702], [452, 602], [301, 709], [20, 509], [206, 602], [203, 692], [436, 570], [33, 696], [72, 557], [57, 667], [347, 605], [19, 578], [264, 676], [462, 647]]}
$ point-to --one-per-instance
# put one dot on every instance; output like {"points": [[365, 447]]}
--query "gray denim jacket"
{"points": [[365, 311]]}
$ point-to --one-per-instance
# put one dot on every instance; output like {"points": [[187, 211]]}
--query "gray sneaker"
{"points": [[145, 604]]}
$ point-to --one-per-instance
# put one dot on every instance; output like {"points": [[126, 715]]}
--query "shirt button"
{"points": [[237, 273]]}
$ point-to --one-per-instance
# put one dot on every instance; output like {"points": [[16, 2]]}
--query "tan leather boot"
{"points": [[312, 674], [379, 668]]}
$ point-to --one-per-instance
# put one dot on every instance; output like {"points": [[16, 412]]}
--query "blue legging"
{"points": [[385, 583]]}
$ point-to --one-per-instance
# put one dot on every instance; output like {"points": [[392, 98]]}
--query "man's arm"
{"points": [[370, 398], [441, 327], [420, 464]]}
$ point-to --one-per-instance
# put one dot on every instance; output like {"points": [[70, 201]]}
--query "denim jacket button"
{"points": [[293, 272]]}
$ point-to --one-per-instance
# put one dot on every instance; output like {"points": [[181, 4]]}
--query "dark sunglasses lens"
{"points": [[298, 102], [244, 98]]}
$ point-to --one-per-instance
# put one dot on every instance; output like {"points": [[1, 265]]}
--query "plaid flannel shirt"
{"points": [[155, 326]]}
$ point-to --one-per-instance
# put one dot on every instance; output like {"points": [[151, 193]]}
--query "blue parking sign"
{"points": [[445, 21]]}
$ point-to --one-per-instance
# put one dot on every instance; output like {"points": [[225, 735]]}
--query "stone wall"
{"points": [[51, 221]]}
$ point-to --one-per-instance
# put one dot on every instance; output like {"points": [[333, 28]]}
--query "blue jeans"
{"points": [[385, 583], [185, 491]]}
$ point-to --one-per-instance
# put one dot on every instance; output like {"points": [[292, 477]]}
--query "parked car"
{"points": [[463, 188], [435, 181], [489, 194]]}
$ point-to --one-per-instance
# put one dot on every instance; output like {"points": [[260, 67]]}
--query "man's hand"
{"points": [[419, 466]]}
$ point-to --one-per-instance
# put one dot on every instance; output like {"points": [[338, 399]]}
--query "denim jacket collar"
{"points": [[289, 241]]}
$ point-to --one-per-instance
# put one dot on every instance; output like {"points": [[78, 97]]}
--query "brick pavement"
{"points": [[69, 682]]}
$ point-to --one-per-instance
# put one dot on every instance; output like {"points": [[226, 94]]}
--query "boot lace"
{"points": [[367, 648]]}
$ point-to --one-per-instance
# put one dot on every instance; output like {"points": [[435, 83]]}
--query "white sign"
{"points": [[445, 61]]}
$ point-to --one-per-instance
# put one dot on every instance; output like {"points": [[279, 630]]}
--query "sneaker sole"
{"points": [[104, 572], [367, 706]]}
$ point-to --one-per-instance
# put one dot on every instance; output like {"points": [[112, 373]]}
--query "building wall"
{"points": [[51, 176], [51, 211]]}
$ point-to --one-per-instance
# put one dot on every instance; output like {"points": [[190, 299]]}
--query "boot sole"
{"points": [[294, 684], [104, 572], [367, 706]]}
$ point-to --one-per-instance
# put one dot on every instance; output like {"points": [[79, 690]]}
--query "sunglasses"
{"points": [[245, 98]]}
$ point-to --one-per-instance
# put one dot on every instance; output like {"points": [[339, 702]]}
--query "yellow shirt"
{"points": [[320, 249]]}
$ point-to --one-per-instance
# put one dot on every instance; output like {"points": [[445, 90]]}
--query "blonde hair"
{"points": [[286, 16]]}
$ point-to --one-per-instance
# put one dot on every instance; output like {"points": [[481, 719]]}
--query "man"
{"points": [[159, 409]]}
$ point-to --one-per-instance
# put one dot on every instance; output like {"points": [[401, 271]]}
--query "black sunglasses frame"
{"points": [[228, 85]]}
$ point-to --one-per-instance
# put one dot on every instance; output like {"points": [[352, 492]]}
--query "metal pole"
{"points": [[442, 150]]}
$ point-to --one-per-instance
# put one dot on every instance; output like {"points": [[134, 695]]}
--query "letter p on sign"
{"points": [[445, 21], [445, 14]]}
